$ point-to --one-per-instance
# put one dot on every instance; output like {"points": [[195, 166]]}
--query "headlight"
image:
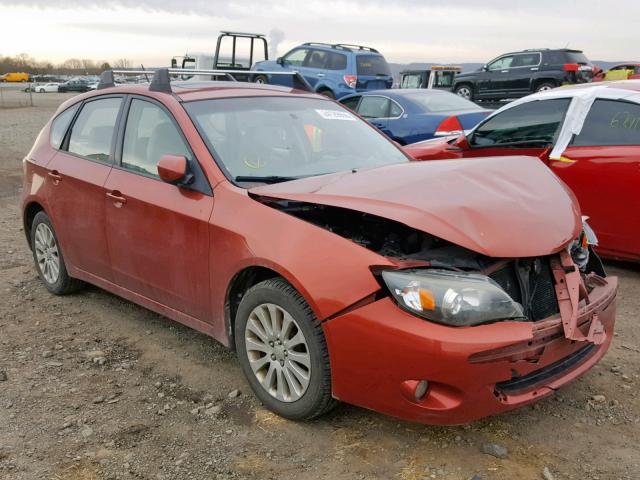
{"points": [[453, 298], [579, 248]]}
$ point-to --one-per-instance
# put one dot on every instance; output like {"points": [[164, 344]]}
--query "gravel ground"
{"points": [[94, 387]]}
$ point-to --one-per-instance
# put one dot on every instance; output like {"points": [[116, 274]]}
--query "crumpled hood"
{"points": [[498, 206]]}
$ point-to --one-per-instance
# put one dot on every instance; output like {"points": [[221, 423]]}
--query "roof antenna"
{"points": [[106, 80], [161, 81]]}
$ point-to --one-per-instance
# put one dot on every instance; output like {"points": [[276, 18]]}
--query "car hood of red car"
{"points": [[506, 207]]}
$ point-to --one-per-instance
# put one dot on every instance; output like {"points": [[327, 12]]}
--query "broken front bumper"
{"points": [[379, 353]]}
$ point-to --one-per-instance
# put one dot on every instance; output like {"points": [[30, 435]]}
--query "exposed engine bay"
{"points": [[529, 281]]}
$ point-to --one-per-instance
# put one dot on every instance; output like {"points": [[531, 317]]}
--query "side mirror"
{"points": [[484, 68], [174, 169], [462, 142], [280, 61]]}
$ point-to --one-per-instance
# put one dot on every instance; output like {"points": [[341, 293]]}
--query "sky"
{"points": [[153, 31]]}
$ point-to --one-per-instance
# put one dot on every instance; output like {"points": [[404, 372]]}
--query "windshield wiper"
{"points": [[265, 179]]}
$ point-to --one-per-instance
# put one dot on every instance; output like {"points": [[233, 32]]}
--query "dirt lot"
{"points": [[155, 400]]}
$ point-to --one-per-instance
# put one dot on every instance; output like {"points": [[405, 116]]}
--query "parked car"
{"points": [[518, 74], [333, 70], [624, 71], [438, 76], [283, 225], [15, 77], [74, 85], [47, 87], [412, 115], [594, 150]]}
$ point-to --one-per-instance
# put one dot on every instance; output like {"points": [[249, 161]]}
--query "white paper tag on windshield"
{"points": [[335, 115]]}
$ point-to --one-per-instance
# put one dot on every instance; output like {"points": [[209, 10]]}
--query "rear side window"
{"points": [[526, 60], [533, 123], [610, 122], [149, 134], [60, 125], [374, 107], [92, 132], [372, 65], [336, 61]]}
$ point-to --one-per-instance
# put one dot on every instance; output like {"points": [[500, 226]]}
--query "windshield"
{"points": [[282, 137], [372, 65], [437, 101]]}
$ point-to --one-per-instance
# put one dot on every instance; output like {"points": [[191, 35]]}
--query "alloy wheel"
{"points": [[47, 253], [278, 352], [464, 92]]}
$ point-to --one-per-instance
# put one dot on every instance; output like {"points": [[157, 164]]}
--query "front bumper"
{"points": [[379, 353]]}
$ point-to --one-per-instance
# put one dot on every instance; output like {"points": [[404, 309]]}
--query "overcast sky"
{"points": [[152, 32]]}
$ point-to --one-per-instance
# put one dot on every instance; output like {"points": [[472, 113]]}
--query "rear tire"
{"points": [[48, 257], [545, 87], [283, 352], [328, 94], [464, 91]]}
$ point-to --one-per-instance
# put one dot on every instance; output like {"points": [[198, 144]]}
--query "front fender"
{"points": [[330, 272]]}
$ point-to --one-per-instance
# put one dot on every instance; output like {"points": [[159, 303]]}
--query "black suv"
{"points": [[518, 74]]}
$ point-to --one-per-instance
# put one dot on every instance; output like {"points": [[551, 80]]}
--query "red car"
{"points": [[284, 226], [589, 135]]}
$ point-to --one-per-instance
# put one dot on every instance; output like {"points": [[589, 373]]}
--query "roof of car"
{"points": [[633, 85], [203, 90]]}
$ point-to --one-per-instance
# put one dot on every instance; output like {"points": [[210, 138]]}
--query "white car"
{"points": [[46, 87]]}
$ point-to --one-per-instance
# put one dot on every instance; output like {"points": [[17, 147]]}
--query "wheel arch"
{"points": [[242, 281], [30, 211]]}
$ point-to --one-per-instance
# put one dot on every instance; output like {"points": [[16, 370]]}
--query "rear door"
{"points": [[376, 109], [77, 173], [158, 233], [602, 167]]}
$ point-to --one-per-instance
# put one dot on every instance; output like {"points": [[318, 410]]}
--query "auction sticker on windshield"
{"points": [[335, 115]]}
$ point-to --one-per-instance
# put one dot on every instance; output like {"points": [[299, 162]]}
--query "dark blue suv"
{"points": [[334, 70]]}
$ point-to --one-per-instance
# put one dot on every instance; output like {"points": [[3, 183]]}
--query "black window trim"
{"points": [[193, 162], [78, 107], [65, 142], [555, 136]]}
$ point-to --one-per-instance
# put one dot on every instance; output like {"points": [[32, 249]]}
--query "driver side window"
{"points": [[501, 64], [533, 123], [296, 58]]}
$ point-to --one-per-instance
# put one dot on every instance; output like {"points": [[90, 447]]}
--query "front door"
{"points": [[602, 167], [158, 233], [492, 83], [77, 173]]}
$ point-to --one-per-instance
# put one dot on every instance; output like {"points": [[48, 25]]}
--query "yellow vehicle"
{"points": [[14, 77]]}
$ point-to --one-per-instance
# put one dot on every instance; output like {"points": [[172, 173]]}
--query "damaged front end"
{"points": [[457, 334], [437, 280]]}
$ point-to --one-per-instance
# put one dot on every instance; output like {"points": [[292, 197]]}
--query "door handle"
{"points": [[57, 178], [504, 71], [321, 75], [117, 198]]}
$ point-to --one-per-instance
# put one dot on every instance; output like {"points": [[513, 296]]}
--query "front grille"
{"points": [[530, 282], [543, 301], [526, 382]]}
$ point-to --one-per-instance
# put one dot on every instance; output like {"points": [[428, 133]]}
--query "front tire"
{"points": [[283, 352], [42, 90], [464, 91], [48, 257], [261, 79]]}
